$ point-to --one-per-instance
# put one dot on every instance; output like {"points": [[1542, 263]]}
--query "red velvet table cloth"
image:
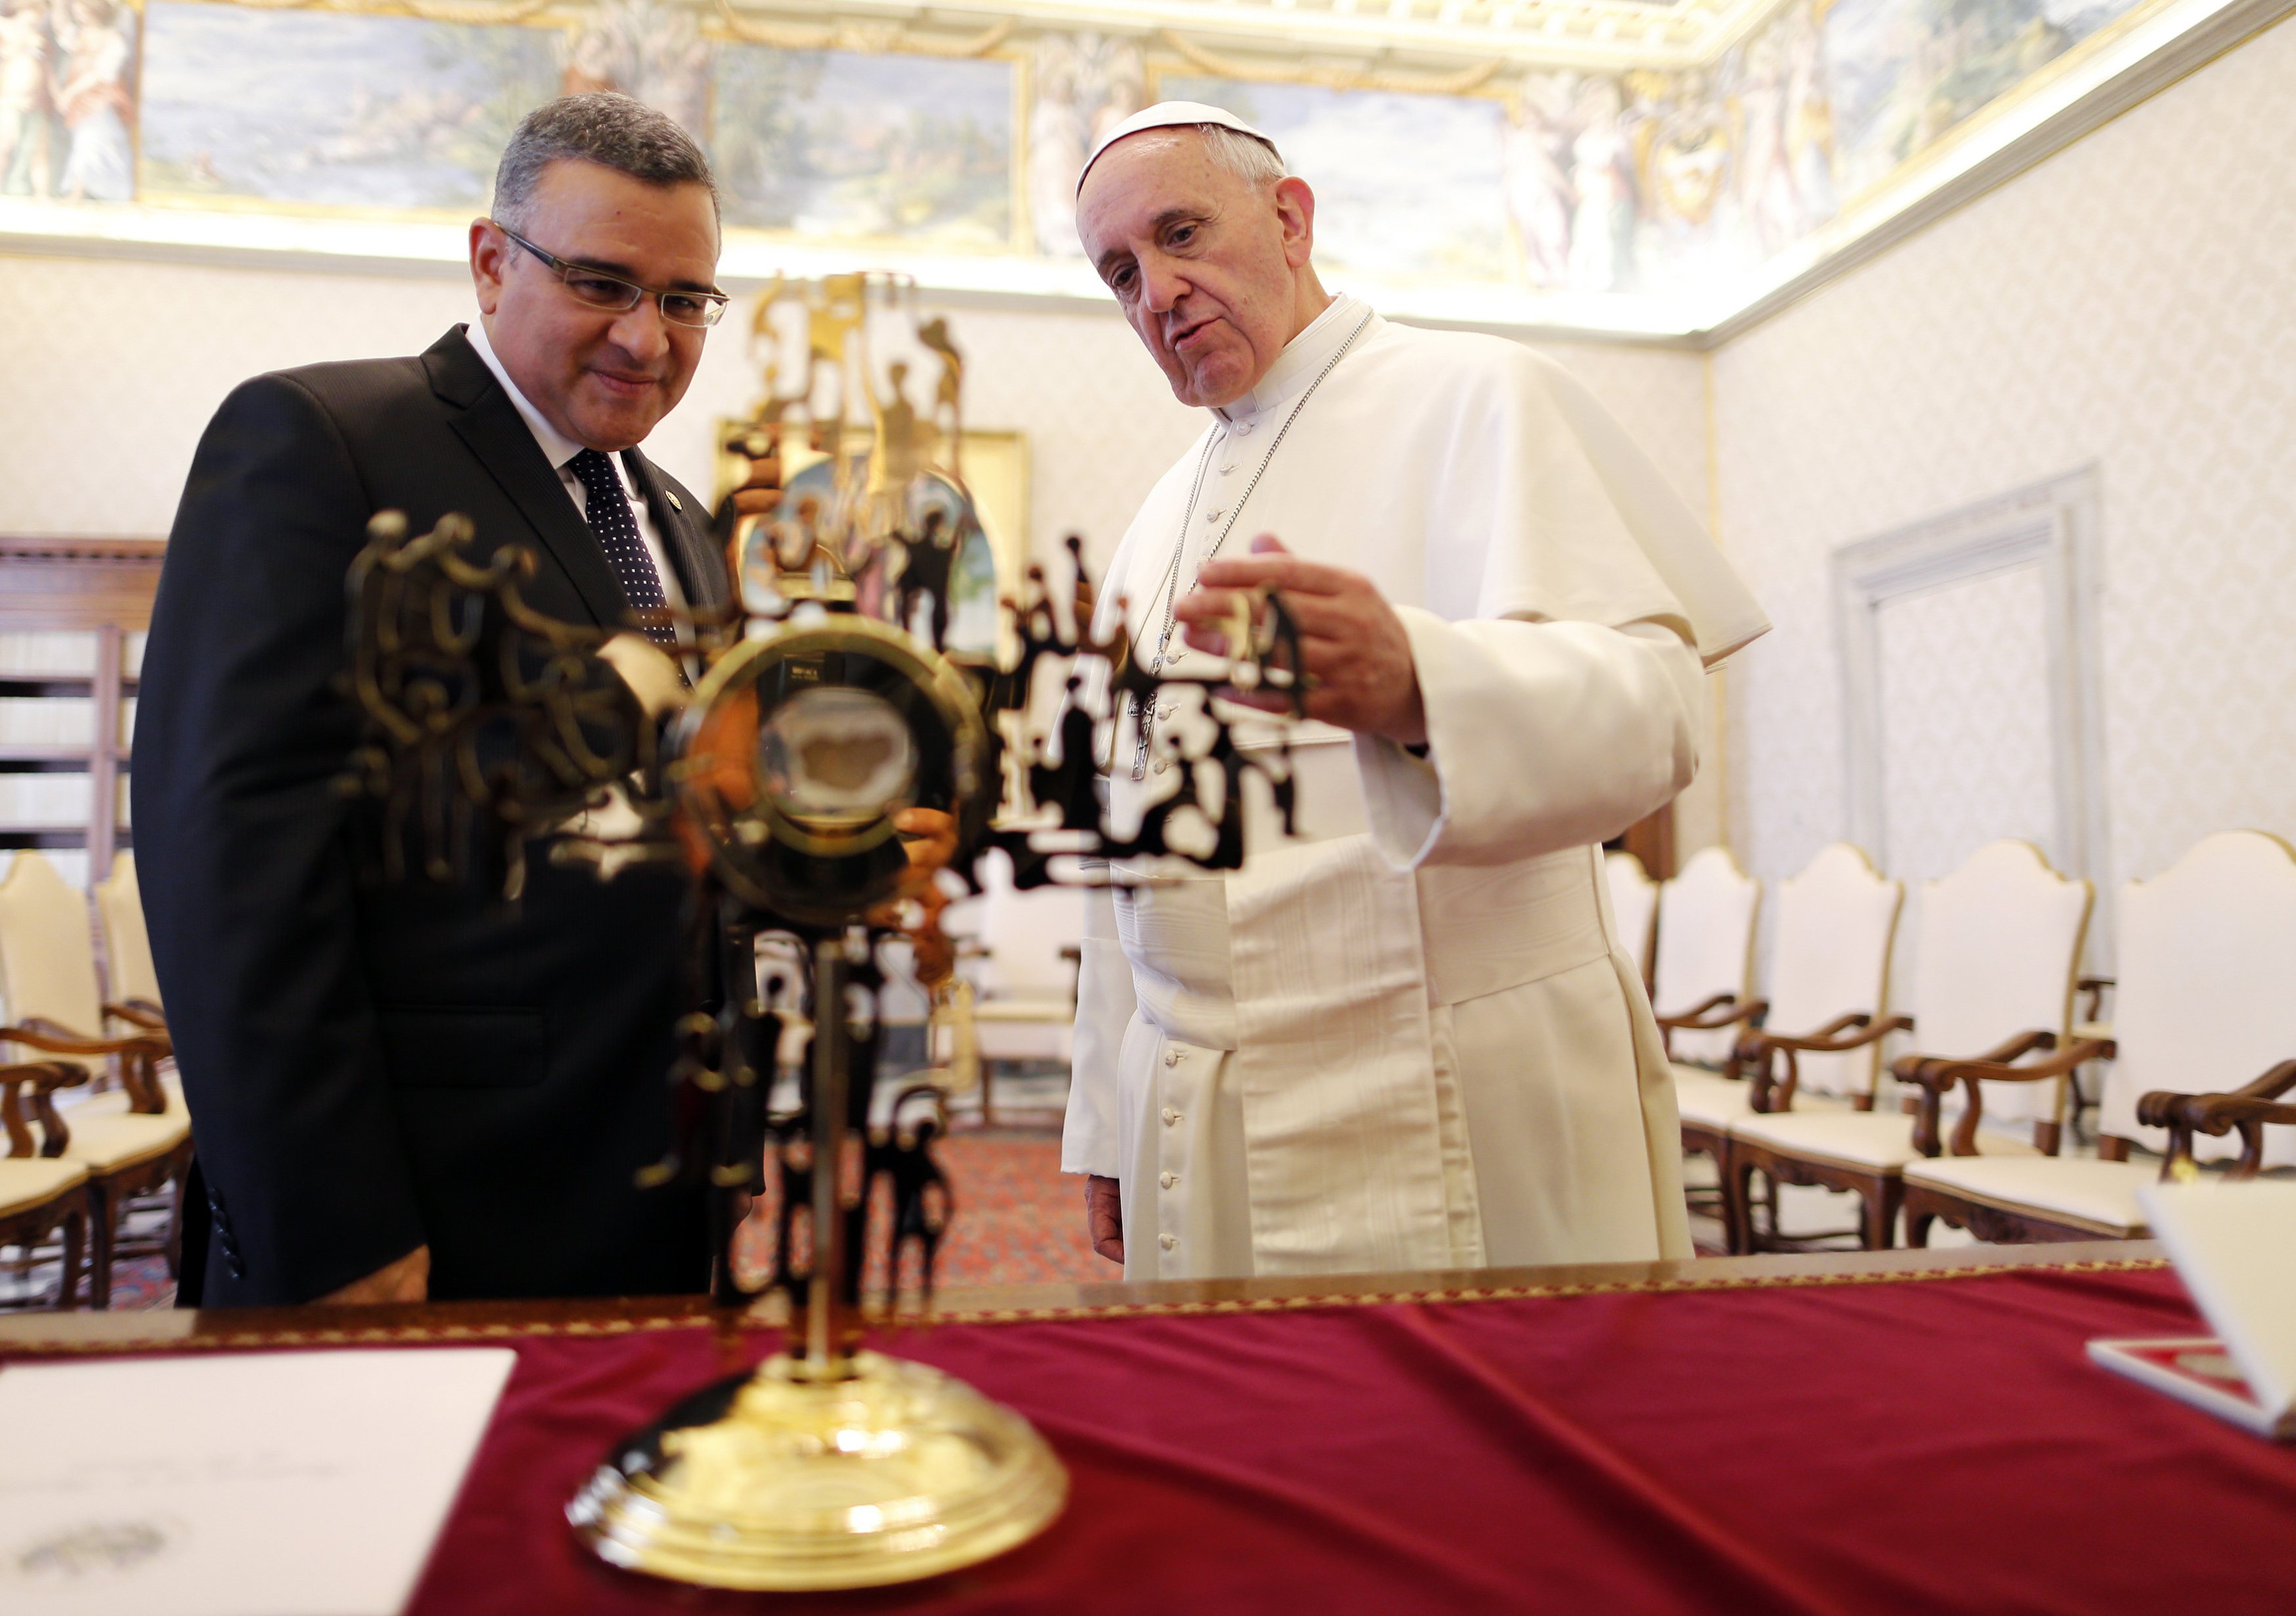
{"points": [[1916, 1443]]}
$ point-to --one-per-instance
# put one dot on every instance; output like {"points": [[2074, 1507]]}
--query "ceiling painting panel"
{"points": [[1621, 166]]}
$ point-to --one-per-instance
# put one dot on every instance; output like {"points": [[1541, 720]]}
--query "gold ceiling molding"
{"points": [[853, 34], [1604, 35], [477, 14], [1464, 82]]}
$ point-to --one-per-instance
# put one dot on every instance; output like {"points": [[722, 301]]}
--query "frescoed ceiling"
{"points": [[1596, 33], [1654, 169]]}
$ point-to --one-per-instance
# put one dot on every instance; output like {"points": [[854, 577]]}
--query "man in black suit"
{"points": [[409, 1091]]}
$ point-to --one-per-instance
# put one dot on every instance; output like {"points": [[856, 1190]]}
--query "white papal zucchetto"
{"points": [[1170, 114]]}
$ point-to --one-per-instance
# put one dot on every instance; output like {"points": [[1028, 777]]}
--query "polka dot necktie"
{"points": [[617, 533]]}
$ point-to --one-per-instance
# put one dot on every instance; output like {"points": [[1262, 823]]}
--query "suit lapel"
{"points": [[486, 421], [701, 571]]}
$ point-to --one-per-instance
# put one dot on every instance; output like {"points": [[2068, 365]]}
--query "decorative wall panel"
{"points": [[1965, 705], [2130, 304]]}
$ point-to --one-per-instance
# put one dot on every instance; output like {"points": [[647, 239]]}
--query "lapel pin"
{"points": [[675, 503]]}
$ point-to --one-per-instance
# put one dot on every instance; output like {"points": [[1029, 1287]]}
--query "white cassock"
{"points": [[1411, 1039]]}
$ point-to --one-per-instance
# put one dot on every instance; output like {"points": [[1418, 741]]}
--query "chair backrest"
{"points": [[47, 952], [2207, 994], [1633, 906], [1705, 947], [1025, 932], [1831, 957], [127, 945], [1998, 950]]}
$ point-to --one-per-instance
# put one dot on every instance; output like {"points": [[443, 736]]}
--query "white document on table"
{"points": [[241, 1484], [2230, 1243]]}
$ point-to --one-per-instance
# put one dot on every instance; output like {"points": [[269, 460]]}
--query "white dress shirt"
{"points": [[559, 450]]}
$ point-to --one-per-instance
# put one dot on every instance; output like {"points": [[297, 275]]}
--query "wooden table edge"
{"points": [[182, 1330]]}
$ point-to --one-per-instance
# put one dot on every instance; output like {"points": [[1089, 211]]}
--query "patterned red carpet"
{"points": [[1019, 1219]]}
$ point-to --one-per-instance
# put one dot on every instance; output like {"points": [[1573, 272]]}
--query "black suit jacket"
{"points": [[373, 1067]]}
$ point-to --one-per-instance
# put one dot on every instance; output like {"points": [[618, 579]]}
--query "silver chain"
{"points": [[1169, 590]]}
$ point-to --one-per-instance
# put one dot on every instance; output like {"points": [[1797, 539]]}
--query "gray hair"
{"points": [[613, 131], [1250, 159]]}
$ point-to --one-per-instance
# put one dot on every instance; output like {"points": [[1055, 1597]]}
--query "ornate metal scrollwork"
{"points": [[839, 770], [836, 760]]}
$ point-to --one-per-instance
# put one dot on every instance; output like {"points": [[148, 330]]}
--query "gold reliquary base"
{"points": [[888, 1473]]}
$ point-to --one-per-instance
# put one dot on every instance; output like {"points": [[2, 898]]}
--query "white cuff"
{"points": [[1104, 1009]]}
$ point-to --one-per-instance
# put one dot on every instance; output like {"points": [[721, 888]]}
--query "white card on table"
{"points": [[2231, 1244], [242, 1484], [2195, 1370]]}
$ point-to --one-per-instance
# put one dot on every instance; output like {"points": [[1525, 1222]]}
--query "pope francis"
{"points": [[1408, 1039]]}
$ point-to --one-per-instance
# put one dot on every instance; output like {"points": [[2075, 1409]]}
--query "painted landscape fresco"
{"points": [[1405, 185], [345, 109], [1659, 182], [834, 143], [1637, 181], [329, 107]]}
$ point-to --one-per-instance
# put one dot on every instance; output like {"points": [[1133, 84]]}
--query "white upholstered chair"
{"points": [[2207, 1002], [1020, 962], [1702, 981], [128, 974], [1633, 908], [56, 1014], [1992, 977], [132, 1002], [1821, 1035], [42, 1196]]}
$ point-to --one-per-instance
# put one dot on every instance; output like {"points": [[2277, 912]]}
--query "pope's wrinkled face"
{"points": [[1203, 262], [603, 378]]}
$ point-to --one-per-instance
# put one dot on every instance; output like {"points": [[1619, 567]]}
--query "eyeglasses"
{"points": [[602, 291]]}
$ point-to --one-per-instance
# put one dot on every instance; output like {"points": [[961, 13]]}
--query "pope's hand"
{"points": [[1351, 645], [1104, 1216]]}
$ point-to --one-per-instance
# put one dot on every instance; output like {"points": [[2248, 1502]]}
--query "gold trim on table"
{"points": [[227, 1339]]}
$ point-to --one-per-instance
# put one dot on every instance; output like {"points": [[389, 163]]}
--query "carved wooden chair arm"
{"points": [[138, 1013], [139, 1056], [1937, 1076], [1722, 1010], [1945, 1073], [1759, 1050], [1837, 1034], [2248, 1109], [43, 1078], [1907, 1069], [35, 1033]]}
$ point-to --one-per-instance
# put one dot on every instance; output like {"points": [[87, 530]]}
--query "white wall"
{"points": [[120, 363], [2131, 302], [1661, 394], [115, 365]]}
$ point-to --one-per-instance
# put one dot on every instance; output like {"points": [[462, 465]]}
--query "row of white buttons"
{"points": [[1173, 1056]]}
